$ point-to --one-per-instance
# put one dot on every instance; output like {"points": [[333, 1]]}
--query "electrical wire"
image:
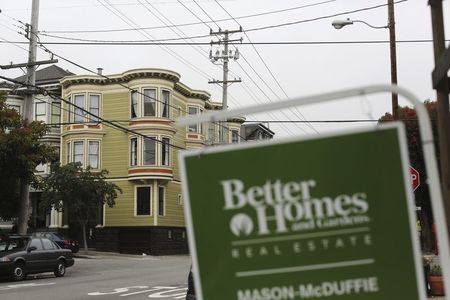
{"points": [[192, 23]]}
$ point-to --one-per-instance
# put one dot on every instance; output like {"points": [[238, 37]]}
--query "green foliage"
{"points": [[20, 152], [79, 191]]}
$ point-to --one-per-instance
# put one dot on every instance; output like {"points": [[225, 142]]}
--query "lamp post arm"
{"points": [[371, 26]]}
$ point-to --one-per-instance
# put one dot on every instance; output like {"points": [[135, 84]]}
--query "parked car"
{"points": [[61, 240], [190, 294], [22, 255]]}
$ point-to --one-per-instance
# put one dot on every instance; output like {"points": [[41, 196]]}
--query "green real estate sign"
{"points": [[323, 218]]}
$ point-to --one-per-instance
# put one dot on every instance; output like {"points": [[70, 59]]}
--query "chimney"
{"points": [[99, 71]]}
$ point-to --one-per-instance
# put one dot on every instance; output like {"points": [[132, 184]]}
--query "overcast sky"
{"points": [[294, 70]]}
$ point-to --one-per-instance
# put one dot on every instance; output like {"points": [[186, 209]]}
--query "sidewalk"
{"points": [[93, 254]]}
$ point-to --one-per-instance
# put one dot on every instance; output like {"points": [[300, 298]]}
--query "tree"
{"points": [[20, 152], [78, 191], [422, 196]]}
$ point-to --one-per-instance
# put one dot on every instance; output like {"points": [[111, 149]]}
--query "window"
{"points": [[149, 151], [196, 127], [36, 243], [143, 201], [149, 102], [56, 113], [134, 104], [40, 112], [161, 209], [234, 136], [93, 154], [165, 95], [94, 107], [133, 152], [15, 107], [78, 152], [91, 103], [165, 148], [48, 245], [78, 114]]}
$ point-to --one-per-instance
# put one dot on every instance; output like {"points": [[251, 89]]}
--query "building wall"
{"points": [[121, 229]]}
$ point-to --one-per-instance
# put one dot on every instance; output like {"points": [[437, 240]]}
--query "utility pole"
{"points": [[225, 55], [393, 54], [441, 83], [31, 34]]}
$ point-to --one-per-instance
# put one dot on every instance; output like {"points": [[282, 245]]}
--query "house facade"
{"points": [[141, 156]]}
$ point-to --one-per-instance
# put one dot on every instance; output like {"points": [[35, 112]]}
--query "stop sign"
{"points": [[415, 179]]}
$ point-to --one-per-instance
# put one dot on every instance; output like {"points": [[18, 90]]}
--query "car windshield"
{"points": [[13, 244]]}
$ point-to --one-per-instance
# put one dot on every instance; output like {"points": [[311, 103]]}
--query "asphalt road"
{"points": [[107, 277]]}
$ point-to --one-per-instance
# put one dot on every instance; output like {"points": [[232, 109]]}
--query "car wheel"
{"points": [[18, 272], [60, 269]]}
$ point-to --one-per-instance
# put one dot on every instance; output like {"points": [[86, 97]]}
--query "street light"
{"points": [[338, 24]]}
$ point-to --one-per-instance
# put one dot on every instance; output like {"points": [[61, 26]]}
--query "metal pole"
{"points": [[442, 91], [223, 128], [28, 111], [393, 54]]}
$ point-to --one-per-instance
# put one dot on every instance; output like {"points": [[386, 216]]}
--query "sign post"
{"points": [[304, 219]]}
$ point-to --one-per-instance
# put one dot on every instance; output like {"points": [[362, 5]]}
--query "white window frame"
{"points": [[70, 152], [168, 104], [153, 100], [135, 138], [41, 116], [88, 156], [54, 109], [195, 128], [152, 139], [161, 153], [82, 116]]}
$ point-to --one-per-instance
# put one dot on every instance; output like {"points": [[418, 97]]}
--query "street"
{"points": [[107, 277]]}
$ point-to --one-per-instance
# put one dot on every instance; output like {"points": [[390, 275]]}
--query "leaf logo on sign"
{"points": [[241, 224]]}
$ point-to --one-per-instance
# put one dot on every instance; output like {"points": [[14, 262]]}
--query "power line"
{"points": [[267, 68], [285, 43], [287, 23], [204, 11], [192, 23]]}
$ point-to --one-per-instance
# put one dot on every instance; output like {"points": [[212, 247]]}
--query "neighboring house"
{"points": [[148, 217], [48, 110], [256, 131]]}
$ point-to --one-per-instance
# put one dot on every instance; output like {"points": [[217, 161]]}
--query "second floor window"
{"points": [[93, 152], [78, 152], [40, 112], [150, 151], [56, 113], [86, 152], [165, 151]]}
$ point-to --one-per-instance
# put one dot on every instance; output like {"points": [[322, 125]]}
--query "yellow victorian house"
{"points": [[141, 157]]}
